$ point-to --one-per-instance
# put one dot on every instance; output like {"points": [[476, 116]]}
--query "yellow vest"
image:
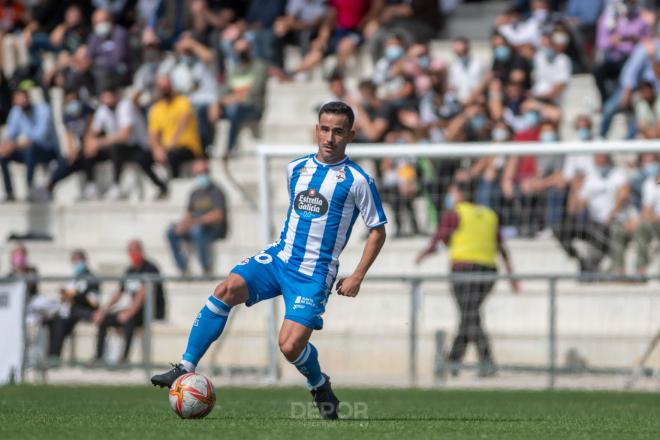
{"points": [[475, 239]]}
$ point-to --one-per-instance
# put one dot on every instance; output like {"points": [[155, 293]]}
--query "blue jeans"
{"points": [[611, 107], [238, 114], [201, 237], [32, 156]]}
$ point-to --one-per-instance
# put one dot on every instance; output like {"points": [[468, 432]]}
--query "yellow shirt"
{"points": [[475, 239], [164, 119]]}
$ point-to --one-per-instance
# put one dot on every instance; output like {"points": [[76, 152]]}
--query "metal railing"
{"points": [[415, 283]]}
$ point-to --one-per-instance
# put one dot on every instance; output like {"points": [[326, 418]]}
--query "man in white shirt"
{"points": [[649, 228], [119, 133], [465, 72], [595, 201], [552, 68]]}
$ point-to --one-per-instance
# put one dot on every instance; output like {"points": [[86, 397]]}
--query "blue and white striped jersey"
{"points": [[324, 202]]}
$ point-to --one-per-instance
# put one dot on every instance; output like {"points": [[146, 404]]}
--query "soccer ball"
{"points": [[192, 396]]}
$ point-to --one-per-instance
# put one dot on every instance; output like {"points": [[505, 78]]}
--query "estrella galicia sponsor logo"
{"points": [[310, 204]]}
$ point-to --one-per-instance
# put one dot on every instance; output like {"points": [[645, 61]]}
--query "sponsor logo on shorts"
{"points": [[263, 258], [302, 301], [244, 261], [310, 204]]}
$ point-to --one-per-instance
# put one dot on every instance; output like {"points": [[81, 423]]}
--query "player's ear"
{"points": [[351, 135]]}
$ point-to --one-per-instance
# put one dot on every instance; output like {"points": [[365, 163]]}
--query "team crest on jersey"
{"points": [[340, 174], [310, 204]]}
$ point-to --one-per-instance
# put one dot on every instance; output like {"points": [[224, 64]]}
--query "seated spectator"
{"points": [[525, 34], [13, 18], [243, 98], [76, 74], [77, 122], [204, 222], [132, 317], [552, 68], [466, 72], [583, 17], [505, 61], [173, 134], [78, 301], [591, 207], [437, 108], [67, 37], [119, 133], [642, 66], [298, 26], [155, 62], [472, 125], [649, 228], [375, 117], [488, 170], [193, 77], [21, 267], [620, 28], [388, 71], [416, 20], [108, 49], [30, 138], [341, 32], [647, 112]]}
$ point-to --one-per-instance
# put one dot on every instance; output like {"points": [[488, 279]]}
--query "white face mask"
{"points": [[103, 28]]}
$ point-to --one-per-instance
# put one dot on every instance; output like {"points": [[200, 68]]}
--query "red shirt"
{"points": [[350, 13], [526, 168], [11, 15]]}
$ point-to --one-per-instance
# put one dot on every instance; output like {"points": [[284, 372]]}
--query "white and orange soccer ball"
{"points": [[192, 396]]}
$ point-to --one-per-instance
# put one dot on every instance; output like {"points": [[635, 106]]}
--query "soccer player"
{"points": [[327, 191]]}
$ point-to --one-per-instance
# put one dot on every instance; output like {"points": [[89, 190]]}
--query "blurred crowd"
{"points": [[145, 82]]}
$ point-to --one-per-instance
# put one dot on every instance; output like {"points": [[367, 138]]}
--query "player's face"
{"points": [[333, 134]]}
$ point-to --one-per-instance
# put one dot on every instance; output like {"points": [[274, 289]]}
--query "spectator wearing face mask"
{"points": [[108, 50], [505, 61], [155, 62], [488, 171], [388, 69], [29, 138], [472, 125], [130, 318], [77, 122], [465, 71], [173, 134], [204, 222], [20, 267], [552, 68], [78, 301], [243, 98], [649, 228]]}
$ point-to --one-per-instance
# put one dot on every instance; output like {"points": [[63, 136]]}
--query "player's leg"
{"points": [[207, 327], [296, 348]]}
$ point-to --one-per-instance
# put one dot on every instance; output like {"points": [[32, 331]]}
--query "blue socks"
{"points": [[308, 364], [207, 328]]}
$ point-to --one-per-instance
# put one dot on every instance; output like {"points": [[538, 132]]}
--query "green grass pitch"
{"points": [[92, 412]]}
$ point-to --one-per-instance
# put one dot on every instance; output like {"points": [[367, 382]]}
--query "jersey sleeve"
{"points": [[368, 203]]}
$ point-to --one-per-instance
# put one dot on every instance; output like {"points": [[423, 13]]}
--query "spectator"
{"points": [[525, 35], [77, 122], [472, 234], [193, 77], [30, 138], [130, 318], [552, 68], [642, 66], [21, 267], [647, 112], [119, 133], [173, 134], [76, 74], [388, 70], [583, 16], [301, 22], [340, 32], [375, 117], [109, 52], [594, 201], [155, 62], [620, 28], [472, 125], [204, 222], [506, 60], [243, 98], [649, 228], [78, 301], [13, 17], [488, 170], [465, 72]]}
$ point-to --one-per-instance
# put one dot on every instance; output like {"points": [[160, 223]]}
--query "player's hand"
{"points": [[349, 286]]}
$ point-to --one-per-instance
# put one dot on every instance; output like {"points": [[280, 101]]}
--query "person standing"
{"points": [[472, 234]]}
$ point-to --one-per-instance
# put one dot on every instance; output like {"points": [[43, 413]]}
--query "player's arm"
{"points": [[350, 286]]}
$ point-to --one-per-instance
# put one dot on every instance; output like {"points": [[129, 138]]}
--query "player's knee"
{"points": [[230, 292], [291, 348]]}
